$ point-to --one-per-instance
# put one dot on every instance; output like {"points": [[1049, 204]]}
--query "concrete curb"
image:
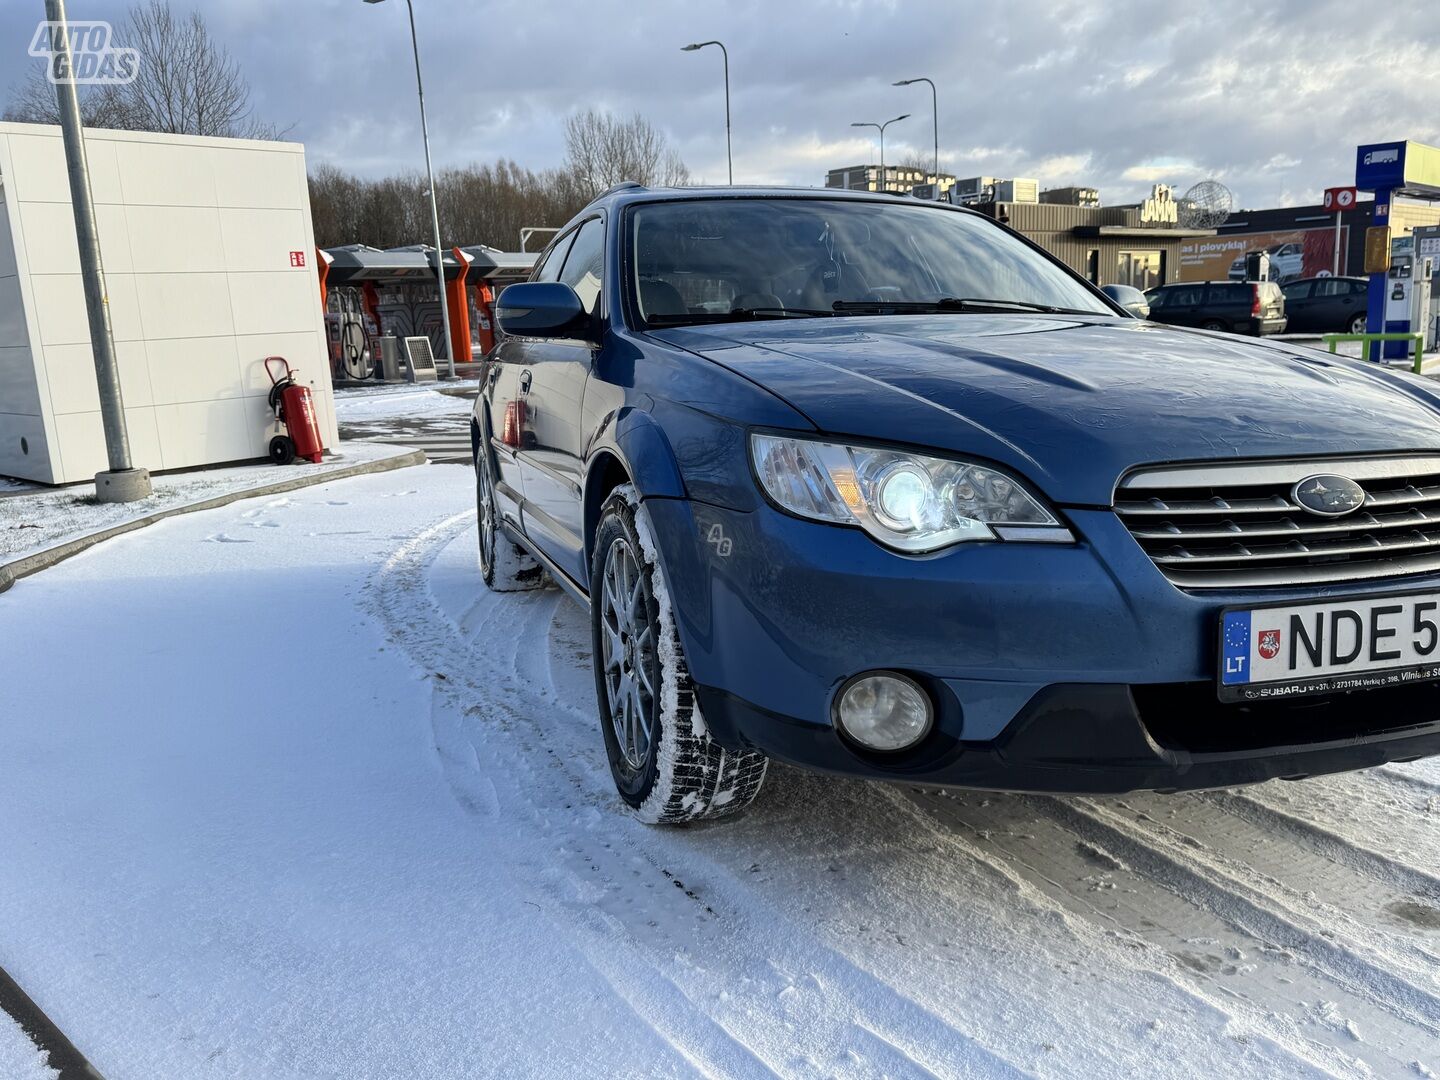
{"points": [[12, 572]]}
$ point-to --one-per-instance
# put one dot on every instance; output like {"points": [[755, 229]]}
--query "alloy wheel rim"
{"points": [[487, 516], [627, 645]]}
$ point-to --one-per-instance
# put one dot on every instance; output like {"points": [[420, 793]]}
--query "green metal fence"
{"points": [[1416, 340]]}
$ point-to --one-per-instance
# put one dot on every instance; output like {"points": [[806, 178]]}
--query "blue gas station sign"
{"points": [[1380, 166]]}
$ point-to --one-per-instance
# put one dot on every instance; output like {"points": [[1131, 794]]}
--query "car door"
{"points": [[1299, 305], [509, 425], [552, 386], [1337, 302], [1183, 306]]}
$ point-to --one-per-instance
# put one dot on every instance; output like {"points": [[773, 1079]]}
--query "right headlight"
{"points": [[910, 502]]}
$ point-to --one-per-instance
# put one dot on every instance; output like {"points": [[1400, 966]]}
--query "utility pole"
{"points": [[123, 482], [935, 118], [434, 206], [724, 52], [884, 178]]}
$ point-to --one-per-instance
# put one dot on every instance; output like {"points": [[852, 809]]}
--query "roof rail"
{"points": [[624, 185]]}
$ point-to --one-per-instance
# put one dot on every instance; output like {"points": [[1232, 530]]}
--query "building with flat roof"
{"points": [[1108, 245], [898, 178]]}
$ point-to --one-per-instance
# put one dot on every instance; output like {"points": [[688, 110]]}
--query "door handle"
{"points": [[525, 381]]}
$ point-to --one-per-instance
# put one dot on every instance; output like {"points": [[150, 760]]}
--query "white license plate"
{"points": [[1356, 644]]}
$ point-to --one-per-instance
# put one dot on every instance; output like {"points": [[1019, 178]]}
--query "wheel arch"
{"points": [[639, 454]]}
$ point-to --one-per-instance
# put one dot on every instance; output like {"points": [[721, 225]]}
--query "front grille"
{"points": [[1234, 524]]}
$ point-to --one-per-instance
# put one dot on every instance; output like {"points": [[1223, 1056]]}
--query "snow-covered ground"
{"points": [[19, 1059], [288, 794], [43, 517]]}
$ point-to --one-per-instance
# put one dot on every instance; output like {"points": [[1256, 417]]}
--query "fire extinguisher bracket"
{"points": [[295, 409]]}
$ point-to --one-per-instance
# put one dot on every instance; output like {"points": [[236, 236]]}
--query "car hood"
{"points": [[1072, 403]]}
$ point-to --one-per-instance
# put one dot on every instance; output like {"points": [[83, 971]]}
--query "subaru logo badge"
{"points": [[1328, 495]]}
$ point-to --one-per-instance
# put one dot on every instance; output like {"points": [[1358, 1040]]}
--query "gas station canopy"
{"points": [[356, 263], [1401, 168]]}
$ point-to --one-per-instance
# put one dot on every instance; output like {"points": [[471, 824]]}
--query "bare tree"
{"points": [[602, 149], [33, 102], [187, 83], [479, 204]]}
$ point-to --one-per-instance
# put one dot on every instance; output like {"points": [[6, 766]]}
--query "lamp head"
{"points": [[683, 48]]}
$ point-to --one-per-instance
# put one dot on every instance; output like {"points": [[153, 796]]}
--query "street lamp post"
{"points": [[729, 161], [123, 482], [434, 207], [884, 186], [935, 115]]}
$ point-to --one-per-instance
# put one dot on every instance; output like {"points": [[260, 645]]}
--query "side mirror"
{"points": [[544, 309], [1131, 299]]}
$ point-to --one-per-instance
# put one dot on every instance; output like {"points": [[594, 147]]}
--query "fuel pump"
{"points": [[1407, 289]]}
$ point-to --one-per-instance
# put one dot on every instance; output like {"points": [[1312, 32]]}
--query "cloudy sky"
{"points": [[1270, 96]]}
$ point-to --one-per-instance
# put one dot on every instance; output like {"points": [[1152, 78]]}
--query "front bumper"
{"points": [[1055, 667]]}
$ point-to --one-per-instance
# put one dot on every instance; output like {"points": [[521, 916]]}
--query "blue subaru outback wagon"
{"points": [[880, 488]]}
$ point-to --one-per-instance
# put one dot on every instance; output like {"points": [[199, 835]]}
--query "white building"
{"points": [[210, 267]]}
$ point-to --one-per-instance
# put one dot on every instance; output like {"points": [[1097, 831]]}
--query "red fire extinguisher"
{"points": [[296, 410]]}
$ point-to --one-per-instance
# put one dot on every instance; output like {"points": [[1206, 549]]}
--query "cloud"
{"points": [[1271, 97]]}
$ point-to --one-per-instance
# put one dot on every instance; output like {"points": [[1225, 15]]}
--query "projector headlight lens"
{"points": [[910, 502]]}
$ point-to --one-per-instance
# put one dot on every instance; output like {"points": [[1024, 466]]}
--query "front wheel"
{"points": [[1214, 324], [665, 766]]}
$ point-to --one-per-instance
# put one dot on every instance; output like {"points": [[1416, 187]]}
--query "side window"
{"points": [[585, 263], [1157, 298], [1359, 288], [1298, 291], [550, 268], [1331, 287]]}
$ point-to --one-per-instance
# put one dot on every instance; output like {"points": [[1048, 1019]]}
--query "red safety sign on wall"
{"points": [[297, 258], [1339, 198]]}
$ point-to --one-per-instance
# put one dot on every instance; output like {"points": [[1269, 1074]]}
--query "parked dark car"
{"points": [[1327, 304], [1241, 307], [879, 488]]}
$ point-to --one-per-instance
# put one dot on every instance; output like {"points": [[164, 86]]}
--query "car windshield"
{"points": [[708, 260]]}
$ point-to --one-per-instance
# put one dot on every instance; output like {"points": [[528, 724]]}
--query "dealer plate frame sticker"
{"points": [[1247, 641]]}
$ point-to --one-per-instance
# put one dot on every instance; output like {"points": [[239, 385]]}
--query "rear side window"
{"points": [[1228, 294]]}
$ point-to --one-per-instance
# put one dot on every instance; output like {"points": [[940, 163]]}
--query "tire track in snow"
{"points": [[1306, 875], [540, 709], [1038, 869], [1360, 860], [431, 639], [477, 784], [1181, 864]]}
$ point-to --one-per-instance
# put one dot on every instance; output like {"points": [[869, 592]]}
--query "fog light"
{"points": [[884, 710]]}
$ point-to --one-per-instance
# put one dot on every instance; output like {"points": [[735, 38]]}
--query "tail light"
{"points": [[1255, 302]]}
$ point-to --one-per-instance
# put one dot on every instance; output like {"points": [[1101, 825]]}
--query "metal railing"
{"points": [[1417, 340]]}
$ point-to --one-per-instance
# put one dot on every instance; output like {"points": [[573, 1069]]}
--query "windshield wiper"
{"points": [[696, 318], [950, 303]]}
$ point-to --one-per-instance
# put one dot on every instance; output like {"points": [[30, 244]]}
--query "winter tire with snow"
{"points": [[504, 565], [666, 767]]}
